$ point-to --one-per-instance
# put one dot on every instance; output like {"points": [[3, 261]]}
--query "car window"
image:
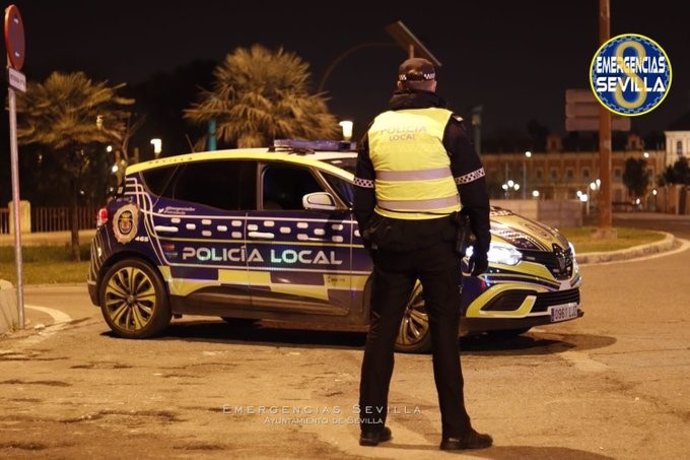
{"points": [[284, 186], [342, 187], [229, 185], [158, 179]]}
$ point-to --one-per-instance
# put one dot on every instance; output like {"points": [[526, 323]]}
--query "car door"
{"points": [[299, 260], [199, 227]]}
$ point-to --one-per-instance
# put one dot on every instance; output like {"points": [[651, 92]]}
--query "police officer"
{"points": [[414, 169]]}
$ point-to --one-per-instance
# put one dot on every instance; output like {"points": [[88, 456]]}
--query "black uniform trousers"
{"points": [[437, 267]]}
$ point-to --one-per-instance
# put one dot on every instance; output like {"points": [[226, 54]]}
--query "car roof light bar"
{"points": [[303, 146]]}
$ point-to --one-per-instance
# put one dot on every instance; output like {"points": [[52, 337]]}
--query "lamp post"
{"points": [[528, 155], [157, 146], [594, 187], [346, 125]]}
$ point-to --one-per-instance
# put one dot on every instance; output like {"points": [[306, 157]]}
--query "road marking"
{"points": [[61, 321], [57, 315]]}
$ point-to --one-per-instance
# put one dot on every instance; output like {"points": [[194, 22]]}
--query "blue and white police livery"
{"points": [[268, 234]]}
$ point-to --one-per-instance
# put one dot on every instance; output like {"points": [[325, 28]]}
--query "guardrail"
{"points": [[52, 219]]}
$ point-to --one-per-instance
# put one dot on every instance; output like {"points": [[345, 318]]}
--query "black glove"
{"points": [[478, 263]]}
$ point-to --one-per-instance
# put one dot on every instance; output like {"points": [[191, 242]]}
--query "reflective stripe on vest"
{"points": [[419, 205], [413, 176], [423, 174]]}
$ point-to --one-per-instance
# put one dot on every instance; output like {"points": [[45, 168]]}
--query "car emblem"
{"points": [[125, 223]]}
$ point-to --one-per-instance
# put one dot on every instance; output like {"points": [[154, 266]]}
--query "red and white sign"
{"points": [[14, 37]]}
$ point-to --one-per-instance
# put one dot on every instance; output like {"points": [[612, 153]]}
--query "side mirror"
{"points": [[322, 201]]}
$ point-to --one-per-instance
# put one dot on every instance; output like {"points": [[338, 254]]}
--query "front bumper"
{"points": [[512, 305], [477, 325]]}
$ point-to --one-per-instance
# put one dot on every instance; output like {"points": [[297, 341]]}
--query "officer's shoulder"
{"points": [[457, 123]]}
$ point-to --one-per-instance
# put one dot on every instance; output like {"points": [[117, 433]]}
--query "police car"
{"points": [[268, 234]]}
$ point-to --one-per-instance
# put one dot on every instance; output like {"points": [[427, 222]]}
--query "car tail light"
{"points": [[101, 217]]}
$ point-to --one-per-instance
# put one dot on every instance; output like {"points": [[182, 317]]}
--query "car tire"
{"points": [[414, 335], [134, 301]]}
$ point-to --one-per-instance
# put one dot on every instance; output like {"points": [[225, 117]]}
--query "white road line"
{"points": [[61, 321], [57, 315]]}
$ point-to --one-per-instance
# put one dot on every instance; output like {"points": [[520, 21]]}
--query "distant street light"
{"points": [[509, 186], [157, 146], [346, 125], [528, 155], [402, 36]]}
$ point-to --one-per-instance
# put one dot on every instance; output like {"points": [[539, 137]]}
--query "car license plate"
{"points": [[563, 312]]}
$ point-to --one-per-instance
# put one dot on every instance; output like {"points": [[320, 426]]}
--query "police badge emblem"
{"points": [[125, 223]]}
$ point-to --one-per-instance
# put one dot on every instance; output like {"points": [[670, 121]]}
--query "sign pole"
{"points": [[14, 41], [14, 155]]}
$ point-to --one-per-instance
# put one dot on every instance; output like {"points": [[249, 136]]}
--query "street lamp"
{"points": [[346, 125], [594, 187], [510, 185], [528, 155], [157, 146]]}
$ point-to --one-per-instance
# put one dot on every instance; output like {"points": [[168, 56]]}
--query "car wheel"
{"points": [[134, 301], [414, 335]]}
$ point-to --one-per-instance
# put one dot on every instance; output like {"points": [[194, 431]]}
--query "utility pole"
{"points": [[605, 229]]}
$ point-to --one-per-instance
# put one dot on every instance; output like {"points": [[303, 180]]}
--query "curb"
{"points": [[9, 316], [669, 242]]}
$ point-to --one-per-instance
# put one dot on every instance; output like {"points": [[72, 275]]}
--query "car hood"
{"points": [[523, 233]]}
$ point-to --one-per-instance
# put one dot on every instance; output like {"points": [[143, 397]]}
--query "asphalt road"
{"points": [[613, 384]]}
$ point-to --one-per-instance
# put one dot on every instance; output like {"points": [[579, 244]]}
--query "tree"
{"points": [[636, 176], [73, 118], [259, 95], [678, 173], [161, 99]]}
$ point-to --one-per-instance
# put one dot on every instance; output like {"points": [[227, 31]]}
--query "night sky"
{"points": [[516, 59]]}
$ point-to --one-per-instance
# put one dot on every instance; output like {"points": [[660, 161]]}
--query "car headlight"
{"points": [[572, 249], [500, 254]]}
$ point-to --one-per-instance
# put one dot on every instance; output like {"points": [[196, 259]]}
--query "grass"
{"points": [[581, 238], [45, 265], [53, 264]]}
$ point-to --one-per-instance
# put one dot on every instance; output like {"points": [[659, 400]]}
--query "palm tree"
{"points": [[73, 117], [258, 96]]}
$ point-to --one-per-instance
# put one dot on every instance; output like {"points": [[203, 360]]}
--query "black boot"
{"points": [[373, 438], [468, 440]]}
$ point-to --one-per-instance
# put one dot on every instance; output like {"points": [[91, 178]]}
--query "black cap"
{"points": [[416, 69]]}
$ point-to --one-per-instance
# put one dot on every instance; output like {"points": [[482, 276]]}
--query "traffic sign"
{"points": [[14, 37], [16, 79], [582, 112]]}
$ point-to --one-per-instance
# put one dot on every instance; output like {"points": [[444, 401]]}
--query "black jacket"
{"points": [[465, 166]]}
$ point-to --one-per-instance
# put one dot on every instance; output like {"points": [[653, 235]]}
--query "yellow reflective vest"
{"points": [[413, 177]]}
